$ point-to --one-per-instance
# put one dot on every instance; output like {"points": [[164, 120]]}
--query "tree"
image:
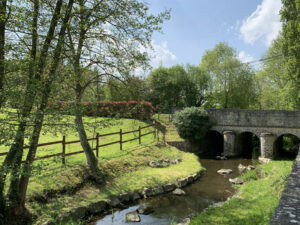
{"points": [[106, 35], [134, 88], [273, 82], [197, 90], [3, 21], [290, 17], [37, 82], [229, 77]]}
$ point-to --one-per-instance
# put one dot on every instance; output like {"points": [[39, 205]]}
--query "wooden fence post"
{"points": [[64, 149], [97, 145], [120, 139], [140, 133], [154, 129]]}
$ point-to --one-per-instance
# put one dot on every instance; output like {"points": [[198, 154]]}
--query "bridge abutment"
{"points": [[267, 141], [229, 143]]}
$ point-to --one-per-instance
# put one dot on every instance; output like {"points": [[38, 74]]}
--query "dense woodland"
{"points": [[90, 50]]}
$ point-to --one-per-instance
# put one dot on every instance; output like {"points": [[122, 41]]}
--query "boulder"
{"points": [[224, 171], [199, 174], [147, 192], [113, 202], [195, 176], [167, 160], [78, 213], [144, 209], [190, 179], [178, 191], [222, 157], [175, 161], [263, 160], [124, 197], [97, 207], [182, 182], [250, 167], [236, 180], [132, 217], [135, 195], [169, 187], [157, 190], [153, 164], [186, 221], [242, 168]]}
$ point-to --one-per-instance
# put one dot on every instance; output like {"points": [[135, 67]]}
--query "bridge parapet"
{"points": [[255, 118]]}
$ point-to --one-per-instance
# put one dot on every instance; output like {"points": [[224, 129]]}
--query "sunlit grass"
{"points": [[256, 200]]}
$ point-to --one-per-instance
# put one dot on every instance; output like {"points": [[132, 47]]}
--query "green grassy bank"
{"points": [[56, 189], [255, 201]]}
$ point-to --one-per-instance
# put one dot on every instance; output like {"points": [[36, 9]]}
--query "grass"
{"points": [[93, 126], [55, 189], [45, 173], [255, 201]]}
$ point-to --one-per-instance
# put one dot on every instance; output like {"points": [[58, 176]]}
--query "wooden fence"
{"points": [[63, 153]]}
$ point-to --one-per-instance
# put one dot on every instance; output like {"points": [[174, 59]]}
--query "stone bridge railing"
{"points": [[288, 210]]}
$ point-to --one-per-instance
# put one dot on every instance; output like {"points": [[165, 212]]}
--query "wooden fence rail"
{"points": [[63, 154]]}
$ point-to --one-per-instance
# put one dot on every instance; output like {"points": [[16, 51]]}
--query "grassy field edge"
{"points": [[255, 201]]}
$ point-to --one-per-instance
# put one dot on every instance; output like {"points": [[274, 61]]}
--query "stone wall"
{"points": [[255, 118], [288, 210]]}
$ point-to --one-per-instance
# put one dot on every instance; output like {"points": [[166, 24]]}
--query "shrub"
{"points": [[124, 109], [192, 123]]}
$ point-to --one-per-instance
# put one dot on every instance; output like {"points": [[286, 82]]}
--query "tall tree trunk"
{"points": [[13, 159], [39, 118], [20, 140], [92, 160], [3, 5]]}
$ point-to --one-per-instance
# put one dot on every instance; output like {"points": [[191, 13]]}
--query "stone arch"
{"points": [[214, 143], [290, 132], [248, 144], [286, 146]]}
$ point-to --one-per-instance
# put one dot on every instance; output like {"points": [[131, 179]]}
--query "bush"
{"points": [[192, 123], [124, 109]]}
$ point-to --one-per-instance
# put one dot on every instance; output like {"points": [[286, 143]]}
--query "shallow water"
{"points": [[211, 188]]}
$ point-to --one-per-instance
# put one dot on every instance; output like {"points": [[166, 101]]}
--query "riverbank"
{"points": [[126, 173], [255, 200]]}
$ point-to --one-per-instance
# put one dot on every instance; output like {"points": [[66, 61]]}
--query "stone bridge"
{"points": [[268, 125]]}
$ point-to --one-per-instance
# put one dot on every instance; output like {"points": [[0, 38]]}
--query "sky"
{"points": [[195, 26]]}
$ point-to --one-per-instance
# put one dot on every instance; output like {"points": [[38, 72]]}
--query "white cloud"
{"points": [[263, 24], [245, 58], [161, 55]]}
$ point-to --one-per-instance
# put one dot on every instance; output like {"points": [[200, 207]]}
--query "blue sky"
{"points": [[198, 25]]}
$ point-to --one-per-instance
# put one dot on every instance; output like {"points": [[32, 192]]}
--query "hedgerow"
{"points": [[123, 109]]}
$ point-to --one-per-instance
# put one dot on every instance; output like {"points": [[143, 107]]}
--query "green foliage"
{"points": [[290, 18], [273, 81], [290, 143], [192, 123], [134, 88], [177, 86], [232, 83]]}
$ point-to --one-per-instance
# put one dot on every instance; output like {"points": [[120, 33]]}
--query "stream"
{"points": [[211, 188]]}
